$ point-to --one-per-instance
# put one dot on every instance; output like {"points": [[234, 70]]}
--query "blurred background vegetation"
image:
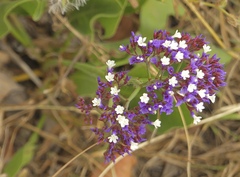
{"points": [[48, 59]]}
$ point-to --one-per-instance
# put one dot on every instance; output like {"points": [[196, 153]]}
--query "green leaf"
{"points": [[88, 69], [24, 155], [35, 9], [139, 71], [86, 85], [174, 120], [222, 54], [85, 77], [154, 15], [108, 13]]}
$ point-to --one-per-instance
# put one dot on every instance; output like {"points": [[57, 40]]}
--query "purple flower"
{"points": [[183, 75], [196, 80]]}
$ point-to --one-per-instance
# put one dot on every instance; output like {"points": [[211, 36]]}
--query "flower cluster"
{"points": [[184, 74], [122, 129]]}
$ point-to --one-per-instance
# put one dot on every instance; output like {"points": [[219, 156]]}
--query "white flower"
{"points": [[197, 119], [110, 64], [155, 87], [110, 77], [122, 120], [200, 74], [140, 58], [173, 81], [177, 34], [141, 41], [200, 107], [96, 101], [119, 109], [174, 45], [201, 93], [165, 60], [206, 48], [144, 98], [134, 146], [113, 138], [121, 47], [185, 74], [191, 87], [114, 90], [182, 44], [167, 43], [156, 123], [179, 56], [212, 97]]}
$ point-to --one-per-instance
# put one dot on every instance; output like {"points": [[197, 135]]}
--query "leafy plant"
{"points": [[9, 21], [24, 155]]}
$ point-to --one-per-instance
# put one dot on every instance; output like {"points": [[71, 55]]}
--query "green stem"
{"points": [[188, 140], [134, 93]]}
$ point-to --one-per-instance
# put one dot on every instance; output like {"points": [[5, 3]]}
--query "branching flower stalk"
{"points": [[185, 74]]}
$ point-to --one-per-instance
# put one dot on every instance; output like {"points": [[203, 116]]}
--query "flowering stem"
{"points": [[133, 95], [188, 140]]}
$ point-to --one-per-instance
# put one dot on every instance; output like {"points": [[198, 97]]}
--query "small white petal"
{"points": [[206, 48], [200, 107], [182, 44], [200, 74], [165, 60], [191, 87], [122, 120], [173, 81], [110, 64], [114, 90], [177, 34], [156, 123], [197, 119], [185, 74], [141, 41], [174, 45], [201, 93], [179, 56], [134, 146], [119, 109], [113, 138], [144, 98], [110, 77], [140, 58], [167, 43], [96, 101], [212, 97]]}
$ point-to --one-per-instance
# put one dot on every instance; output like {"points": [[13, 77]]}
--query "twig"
{"points": [[75, 59], [209, 28], [44, 107], [74, 158], [72, 29], [22, 64]]}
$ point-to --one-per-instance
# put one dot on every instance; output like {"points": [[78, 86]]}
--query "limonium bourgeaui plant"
{"points": [[185, 74]]}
